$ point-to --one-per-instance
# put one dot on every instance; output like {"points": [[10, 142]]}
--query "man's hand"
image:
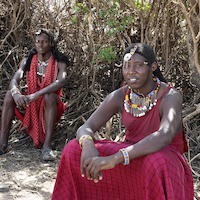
{"points": [[92, 164], [32, 97], [95, 165], [20, 101], [88, 152]]}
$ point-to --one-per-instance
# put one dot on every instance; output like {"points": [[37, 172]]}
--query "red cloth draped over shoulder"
{"points": [[140, 127], [33, 120]]}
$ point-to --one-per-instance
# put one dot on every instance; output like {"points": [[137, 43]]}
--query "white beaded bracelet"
{"points": [[13, 89], [15, 92], [126, 156]]}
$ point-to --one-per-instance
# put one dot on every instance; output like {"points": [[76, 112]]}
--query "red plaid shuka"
{"points": [[33, 120], [158, 176], [162, 175]]}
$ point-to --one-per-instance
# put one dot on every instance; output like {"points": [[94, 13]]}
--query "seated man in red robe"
{"points": [[45, 70], [148, 164]]}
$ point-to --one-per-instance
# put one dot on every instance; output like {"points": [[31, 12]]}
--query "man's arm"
{"points": [[59, 83], [19, 99], [14, 83], [170, 125]]}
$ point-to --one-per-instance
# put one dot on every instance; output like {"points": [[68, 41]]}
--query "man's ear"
{"points": [[154, 66]]}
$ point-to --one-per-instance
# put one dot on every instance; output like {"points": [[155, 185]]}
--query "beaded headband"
{"points": [[45, 31], [128, 56]]}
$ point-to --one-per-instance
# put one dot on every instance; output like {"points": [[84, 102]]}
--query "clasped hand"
{"points": [[22, 101], [92, 164]]}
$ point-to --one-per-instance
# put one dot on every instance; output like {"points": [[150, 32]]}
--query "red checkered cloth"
{"points": [[162, 175], [33, 120]]}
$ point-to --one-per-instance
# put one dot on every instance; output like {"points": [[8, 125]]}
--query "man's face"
{"points": [[42, 44]]}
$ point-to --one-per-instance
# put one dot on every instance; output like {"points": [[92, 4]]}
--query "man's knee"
{"points": [[51, 99], [8, 100]]}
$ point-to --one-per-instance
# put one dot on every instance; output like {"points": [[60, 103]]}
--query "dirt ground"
{"points": [[25, 176]]}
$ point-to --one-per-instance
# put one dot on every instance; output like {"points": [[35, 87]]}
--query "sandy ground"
{"points": [[25, 176]]}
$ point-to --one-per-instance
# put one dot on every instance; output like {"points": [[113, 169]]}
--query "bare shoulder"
{"points": [[115, 99], [171, 104], [22, 64], [118, 93], [62, 65], [171, 96], [20, 72]]}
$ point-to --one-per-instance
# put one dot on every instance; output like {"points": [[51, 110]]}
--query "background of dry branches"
{"points": [[93, 34]]}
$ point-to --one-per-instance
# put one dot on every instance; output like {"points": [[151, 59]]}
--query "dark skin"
{"points": [[140, 79], [43, 48]]}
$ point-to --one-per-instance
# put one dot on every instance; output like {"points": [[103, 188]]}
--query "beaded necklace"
{"points": [[41, 67], [138, 105]]}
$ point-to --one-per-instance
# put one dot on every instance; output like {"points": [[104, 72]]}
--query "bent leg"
{"points": [[166, 175], [7, 115], [68, 171], [161, 175], [51, 102]]}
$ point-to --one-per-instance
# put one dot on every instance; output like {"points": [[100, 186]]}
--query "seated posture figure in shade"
{"points": [[41, 107], [148, 164]]}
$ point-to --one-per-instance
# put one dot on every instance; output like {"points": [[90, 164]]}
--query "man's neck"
{"points": [[43, 57]]}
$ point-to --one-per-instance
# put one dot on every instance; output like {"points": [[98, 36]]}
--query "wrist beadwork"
{"points": [[84, 137], [126, 156], [15, 92]]}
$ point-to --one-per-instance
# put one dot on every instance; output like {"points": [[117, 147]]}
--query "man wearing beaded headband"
{"points": [[41, 108], [142, 103], [151, 149]]}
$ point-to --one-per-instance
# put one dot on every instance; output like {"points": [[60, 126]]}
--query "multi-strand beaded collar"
{"points": [[138, 105]]}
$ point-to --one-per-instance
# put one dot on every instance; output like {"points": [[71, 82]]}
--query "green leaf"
{"points": [[84, 23], [75, 20], [115, 12], [84, 9], [102, 14], [80, 4]]}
